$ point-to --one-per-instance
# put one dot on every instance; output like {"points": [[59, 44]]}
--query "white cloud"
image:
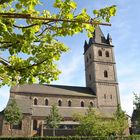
{"points": [[4, 97], [127, 89], [127, 103], [70, 67]]}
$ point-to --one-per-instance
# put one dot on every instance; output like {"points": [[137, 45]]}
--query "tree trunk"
{"points": [[53, 131]]}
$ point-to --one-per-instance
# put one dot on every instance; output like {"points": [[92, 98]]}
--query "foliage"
{"points": [[136, 101], [136, 104], [54, 118], [12, 113], [120, 121], [132, 137], [29, 45], [93, 125]]}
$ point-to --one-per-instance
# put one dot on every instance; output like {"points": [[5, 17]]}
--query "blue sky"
{"points": [[125, 34]]}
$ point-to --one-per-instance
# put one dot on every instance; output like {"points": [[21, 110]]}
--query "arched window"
{"points": [[35, 101], [59, 103], [46, 102], [105, 73], [34, 124], [82, 103], [100, 53], [69, 103], [107, 54], [91, 104]]}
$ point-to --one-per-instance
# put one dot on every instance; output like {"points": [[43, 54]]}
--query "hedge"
{"points": [[135, 137]]}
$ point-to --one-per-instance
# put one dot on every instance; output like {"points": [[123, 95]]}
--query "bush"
{"points": [[133, 137]]}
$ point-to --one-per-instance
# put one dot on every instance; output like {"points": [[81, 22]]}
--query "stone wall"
{"points": [[105, 86], [24, 131], [1, 124], [53, 99], [59, 132], [107, 94]]}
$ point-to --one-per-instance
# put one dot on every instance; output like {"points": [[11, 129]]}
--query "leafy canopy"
{"points": [[120, 121], [29, 45], [136, 104], [12, 113], [136, 101], [93, 124], [54, 117]]}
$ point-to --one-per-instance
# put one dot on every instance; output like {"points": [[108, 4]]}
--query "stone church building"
{"points": [[101, 92]]}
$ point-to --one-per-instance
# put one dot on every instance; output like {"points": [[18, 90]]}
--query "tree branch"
{"points": [[5, 47], [16, 26], [28, 16], [24, 68], [4, 61]]}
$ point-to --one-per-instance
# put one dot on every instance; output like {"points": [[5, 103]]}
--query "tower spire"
{"points": [[100, 70], [98, 37], [109, 39]]}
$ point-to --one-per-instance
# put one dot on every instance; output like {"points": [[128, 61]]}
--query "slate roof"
{"points": [[53, 90], [24, 105]]}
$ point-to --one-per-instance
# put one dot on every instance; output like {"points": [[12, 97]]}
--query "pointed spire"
{"points": [[86, 46], [98, 36], [109, 39], [85, 43]]}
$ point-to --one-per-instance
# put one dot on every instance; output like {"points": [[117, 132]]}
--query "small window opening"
{"points": [[100, 53], [35, 101], [107, 54], [105, 73], [82, 104], [46, 102], [91, 104], [59, 103], [69, 103]]}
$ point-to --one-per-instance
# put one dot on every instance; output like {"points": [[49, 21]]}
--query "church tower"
{"points": [[100, 70]]}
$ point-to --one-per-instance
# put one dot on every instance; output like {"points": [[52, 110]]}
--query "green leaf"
{"points": [[96, 12], [70, 16], [18, 6], [90, 34], [73, 5], [113, 11], [33, 44]]}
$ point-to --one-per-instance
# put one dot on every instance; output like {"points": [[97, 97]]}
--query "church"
{"points": [[101, 92]]}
